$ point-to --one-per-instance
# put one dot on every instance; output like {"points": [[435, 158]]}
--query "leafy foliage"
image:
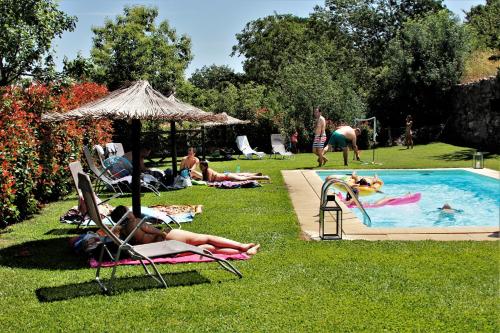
{"points": [[26, 33], [421, 63], [305, 85], [269, 44], [369, 25], [214, 77], [484, 19], [133, 47], [33, 155]]}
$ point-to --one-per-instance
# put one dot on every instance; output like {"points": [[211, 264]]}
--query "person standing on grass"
{"points": [[409, 133], [319, 137], [294, 139], [341, 138]]}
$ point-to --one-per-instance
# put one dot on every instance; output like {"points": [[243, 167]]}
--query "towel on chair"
{"points": [[172, 260]]}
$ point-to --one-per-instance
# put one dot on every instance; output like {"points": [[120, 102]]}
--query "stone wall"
{"points": [[475, 115]]}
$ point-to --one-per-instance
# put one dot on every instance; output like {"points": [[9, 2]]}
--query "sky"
{"points": [[211, 24]]}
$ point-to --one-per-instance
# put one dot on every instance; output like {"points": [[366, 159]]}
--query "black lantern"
{"points": [[478, 160]]}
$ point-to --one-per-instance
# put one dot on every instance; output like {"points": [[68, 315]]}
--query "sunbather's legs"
{"points": [[213, 243], [239, 177]]}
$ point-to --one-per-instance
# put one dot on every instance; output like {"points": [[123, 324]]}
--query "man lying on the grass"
{"points": [[210, 175]]}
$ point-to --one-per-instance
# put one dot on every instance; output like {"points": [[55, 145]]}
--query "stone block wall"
{"points": [[475, 115]]}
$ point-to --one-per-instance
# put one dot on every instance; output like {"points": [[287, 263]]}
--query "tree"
{"points": [[214, 77], [305, 85], [80, 68], [371, 24], [132, 47], [270, 43], [27, 30], [485, 20], [421, 63]]}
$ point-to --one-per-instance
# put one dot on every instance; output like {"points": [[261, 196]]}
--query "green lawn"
{"points": [[291, 285]]}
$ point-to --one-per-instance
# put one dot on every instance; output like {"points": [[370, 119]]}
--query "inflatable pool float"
{"points": [[406, 199], [364, 190]]}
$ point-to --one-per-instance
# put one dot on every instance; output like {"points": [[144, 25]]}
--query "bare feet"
{"points": [[324, 160], [253, 250]]}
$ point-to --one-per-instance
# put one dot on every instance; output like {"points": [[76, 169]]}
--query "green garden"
{"points": [[353, 59], [291, 284]]}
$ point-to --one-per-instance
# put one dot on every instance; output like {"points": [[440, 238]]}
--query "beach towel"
{"points": [[230, 184], [180, 213], [172, 260]]}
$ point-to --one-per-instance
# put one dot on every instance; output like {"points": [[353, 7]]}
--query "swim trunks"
{"points": [[337, 140], [319, 141]]}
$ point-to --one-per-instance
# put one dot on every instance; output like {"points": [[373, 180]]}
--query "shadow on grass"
{"points": [[462, 155], [71, 231], [120, 286], [51, 254]]}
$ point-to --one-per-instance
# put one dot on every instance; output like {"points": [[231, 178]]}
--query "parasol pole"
{"points": [[173, 133], [136, 172]]}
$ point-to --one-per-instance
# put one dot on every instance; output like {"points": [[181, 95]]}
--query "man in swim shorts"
{"points": [[319, 137], [341, 138]]}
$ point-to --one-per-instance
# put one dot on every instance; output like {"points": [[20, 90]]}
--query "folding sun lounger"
{"points": [[104, 178], [115, 149], [156, 217], [143, 252], [277, 143], [244, 147]]}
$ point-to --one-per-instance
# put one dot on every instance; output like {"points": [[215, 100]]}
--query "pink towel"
{"points": [[173, 260]]}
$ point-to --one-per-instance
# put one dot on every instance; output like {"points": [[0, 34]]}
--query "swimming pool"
{"points": [[476, 196]]}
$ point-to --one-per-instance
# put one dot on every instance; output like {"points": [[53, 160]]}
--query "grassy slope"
{"points": [[292, 285]]}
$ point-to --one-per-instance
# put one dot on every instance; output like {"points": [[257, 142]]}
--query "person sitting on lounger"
{"points": [[144, 153], [191, 162], [210, 175], [150, 234]]}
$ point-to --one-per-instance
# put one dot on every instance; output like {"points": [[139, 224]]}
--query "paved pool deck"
{"points": [[304, 187]]}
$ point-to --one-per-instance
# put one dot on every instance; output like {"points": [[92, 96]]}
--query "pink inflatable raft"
{"points": [[406, 199]]}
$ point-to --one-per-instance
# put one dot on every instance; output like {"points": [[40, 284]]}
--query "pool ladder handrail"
{"points": [[324, 192]]}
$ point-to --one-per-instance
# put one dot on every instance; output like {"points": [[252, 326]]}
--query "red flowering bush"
{"points": [[34, 156]]}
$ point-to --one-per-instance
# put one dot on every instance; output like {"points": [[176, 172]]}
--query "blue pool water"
{"points": [[476, 196]]}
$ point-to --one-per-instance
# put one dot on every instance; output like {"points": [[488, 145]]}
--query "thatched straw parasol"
{"points": [[137, 101], [229, 122]]}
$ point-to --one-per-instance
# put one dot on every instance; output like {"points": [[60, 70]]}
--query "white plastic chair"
{"points": [[244, 147], [278, 146]]}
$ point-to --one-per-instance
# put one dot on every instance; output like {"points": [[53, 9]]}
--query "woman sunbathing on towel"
{"points": [[149, 234], [210, 175]]}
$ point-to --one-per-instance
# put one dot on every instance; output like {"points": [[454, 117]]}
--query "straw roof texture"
{"points": [[137, 100], [230, 121]]}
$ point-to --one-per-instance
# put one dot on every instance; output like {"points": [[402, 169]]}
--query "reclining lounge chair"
{"points": [[105, 179], [277, 143], [115, 149], [76, 168], [143, 252], [244, 147]]}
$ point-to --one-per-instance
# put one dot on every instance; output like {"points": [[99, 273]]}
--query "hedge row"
{"points": [[34, 156]]}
